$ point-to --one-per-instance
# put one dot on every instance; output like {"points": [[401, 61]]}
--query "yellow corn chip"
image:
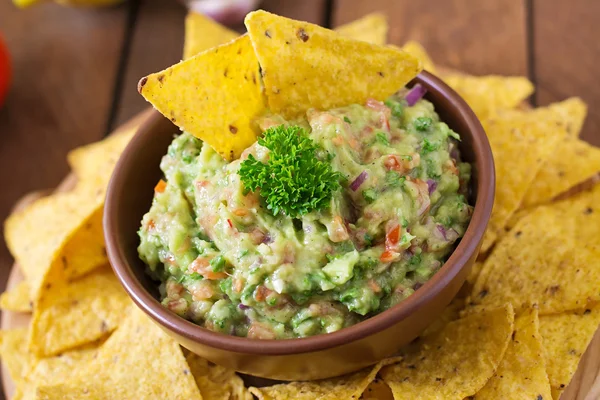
{"points": [[54, 370], [533, 140], [522, 372], [377, 390], [540, 262], [417, 50], [13, 351], [216, 382], [573, 111], [371, 28], [455, 362], [36, 234], [70, 315], [450, 313], [214, 95], [139, 361], [565, 338], [576, 162], [306, 66], [349, 386], [488, 94], [202, 33], [16, 299]]}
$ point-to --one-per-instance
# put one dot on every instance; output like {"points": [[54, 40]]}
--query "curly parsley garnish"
{"points": [[297, 178]]}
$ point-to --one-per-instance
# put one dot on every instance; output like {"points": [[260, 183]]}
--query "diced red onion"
{"points": [[431, 185], [415, 94], [442, 231], [243, 306], [453, 150], [358, 181], [449, 235]]}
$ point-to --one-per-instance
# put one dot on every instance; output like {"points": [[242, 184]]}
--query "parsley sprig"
{"points": [[298, 176]]}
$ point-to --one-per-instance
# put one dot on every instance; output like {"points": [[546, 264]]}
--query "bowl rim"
{"points": [[456, 262]]}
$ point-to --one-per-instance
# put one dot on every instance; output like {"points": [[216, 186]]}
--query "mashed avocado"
{"points": [[226, 262]]}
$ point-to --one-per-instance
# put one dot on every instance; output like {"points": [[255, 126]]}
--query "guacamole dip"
{"points": [[379, 204]]}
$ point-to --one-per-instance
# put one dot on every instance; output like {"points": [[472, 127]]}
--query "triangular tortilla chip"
{"points": [[519, 133], [572, 111], [17, 299], [457, 361], [577, 162], [216, 382], [74, 314], [488, 94], [14, 354], [139, 361], [202, 33], [522, 372], [417, 50], [349, 386], [565, 338], [214, 95], [306, 66], [371, 28]]}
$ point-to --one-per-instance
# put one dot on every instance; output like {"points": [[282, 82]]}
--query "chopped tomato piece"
{"points": [[230, 223], [392, 163], [201, 265], [388, 256], [374, 286], [160, 186], [240, 212], [238, 285], [261, 293], [260, 331], [392, 237]]}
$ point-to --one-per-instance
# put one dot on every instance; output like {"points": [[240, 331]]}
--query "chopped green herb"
{"points": [[423, 123], [432, 169], [396, 108], [294, 181], [243, 254], [225, 285], [196, 276], [404, 222], [381, 137], [368, 239], [348, 120], [271, 300], [181, 278], [394, 179], [217, 264], [428, 146], [369, 195]]}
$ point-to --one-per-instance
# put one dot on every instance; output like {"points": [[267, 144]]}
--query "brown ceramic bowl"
{"points": [[130, 194]]}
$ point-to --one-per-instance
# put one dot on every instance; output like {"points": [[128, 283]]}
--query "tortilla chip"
{"points": [[377, 390], [55, 370], [14, 354], [533, 140], [306, 66], [577, 162], [216, 382], [139, 361], [214, 95], [522, 372], [540, 262], [72, 219], [202, 33], [455, 362], [16, 299], [488, 94], [371, 28], [565, 338], [585, 210], [573, 111], [416, 49], [349, 386], [70, 315], [450, 313]]}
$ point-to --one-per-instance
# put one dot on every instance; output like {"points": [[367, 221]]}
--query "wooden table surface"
{"points": [[75, 70]]}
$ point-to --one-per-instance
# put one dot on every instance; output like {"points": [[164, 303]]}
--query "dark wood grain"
{"points": [[64, 63], [479, 37], [566, 49]]}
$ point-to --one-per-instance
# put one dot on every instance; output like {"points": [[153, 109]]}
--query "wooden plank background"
{"points": [[76, 70]]}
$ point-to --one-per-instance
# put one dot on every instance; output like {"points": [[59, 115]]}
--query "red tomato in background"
{"points": [[4, 71]]}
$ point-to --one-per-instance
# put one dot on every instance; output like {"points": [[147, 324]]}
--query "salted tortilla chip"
{"points": [[455, 362], [216, 382], [533, 140], [349, 386], [565, 338], [488, 94], [214, 95], [14, 354], [371, 28], [306, 66], [80, 312], [450, 313], [416, 49], [585, 210], [202, 33], [522, 372], [377, 390], [72, 220], [577, 162], [16, 299], [540, 262], [573, 111], [138, 361]]}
